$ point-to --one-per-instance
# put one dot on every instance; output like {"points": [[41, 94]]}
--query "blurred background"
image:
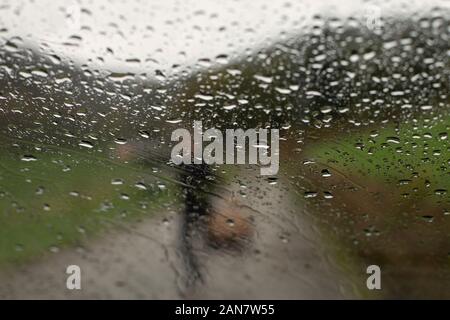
{"points": [[90, 92]]}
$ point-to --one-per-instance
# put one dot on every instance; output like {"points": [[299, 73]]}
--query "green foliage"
{"points": [[60, 197], [413, 156]]}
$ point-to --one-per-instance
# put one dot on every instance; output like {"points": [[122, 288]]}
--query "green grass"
{"points": [[413, 156], [64, 197], [402, 174]]}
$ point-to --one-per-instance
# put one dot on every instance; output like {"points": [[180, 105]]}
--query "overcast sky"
{"points": [[142, 36]]}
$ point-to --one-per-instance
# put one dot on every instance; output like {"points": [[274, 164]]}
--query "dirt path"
{"points": [[147, 261]]}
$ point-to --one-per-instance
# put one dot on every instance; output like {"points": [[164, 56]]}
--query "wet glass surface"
{"points": [[90, 94]]}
